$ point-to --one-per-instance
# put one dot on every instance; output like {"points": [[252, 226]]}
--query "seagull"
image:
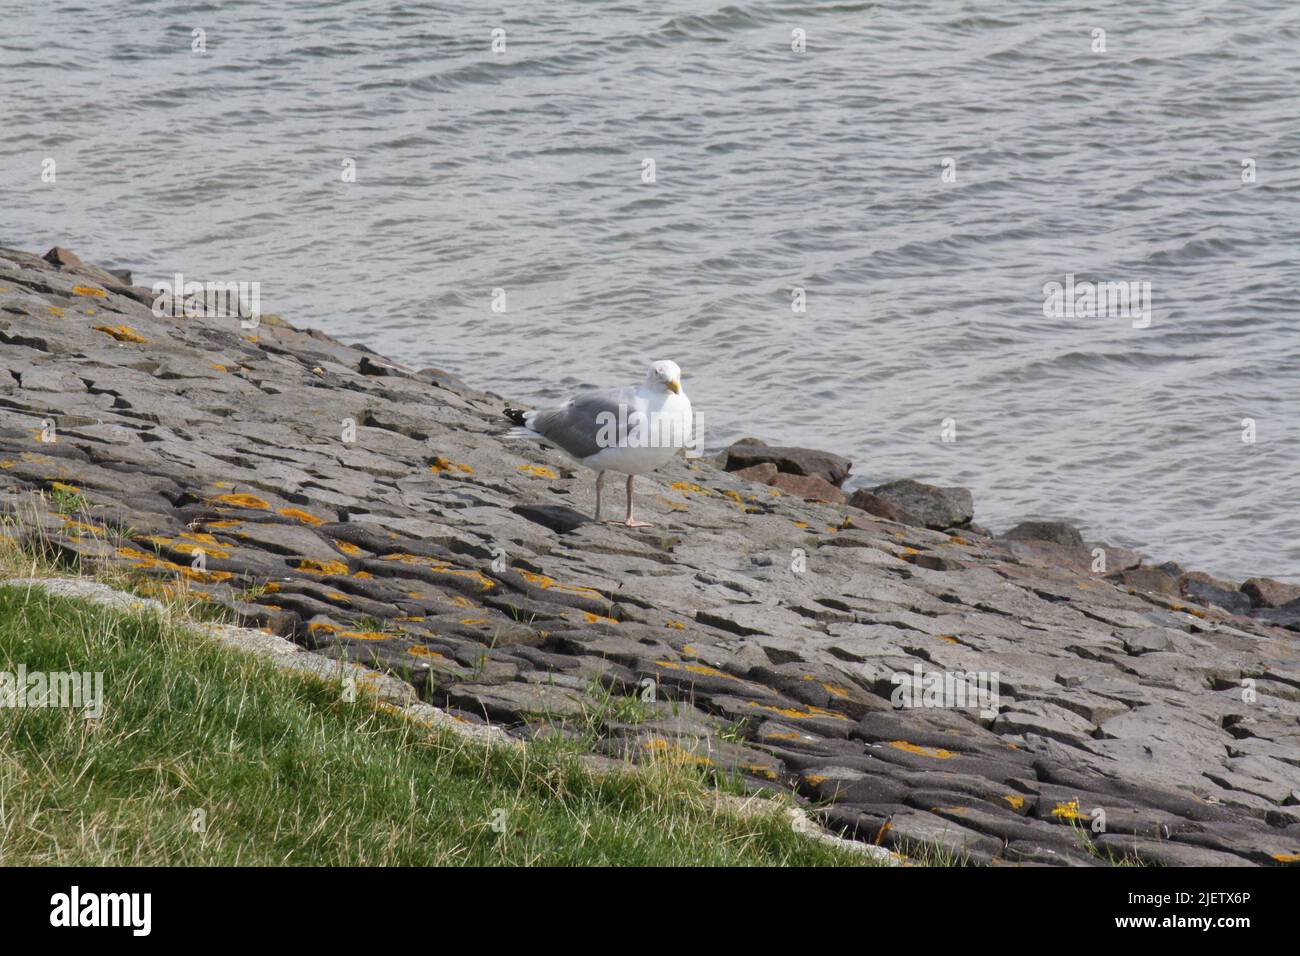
{"points": [[632, 429]]}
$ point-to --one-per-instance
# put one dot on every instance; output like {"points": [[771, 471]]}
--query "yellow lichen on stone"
{"points": [[670, 504], [189, 543], [441, 465], [54, 310], [366, 636], [312, 566], [800, 714], [538, 471], [937, 753], [87, 290], [131, 554], [306, 517], [252, 502], [700, 669], [206, 577], [150, 562], [419, 650], [78, 529], [123, 333], [1016, 802], [1068, 810], [785, 735], [470, 621], [438, 566], [546, 583], [484, 583], [677, 625], [597, 618], [405, 558]]}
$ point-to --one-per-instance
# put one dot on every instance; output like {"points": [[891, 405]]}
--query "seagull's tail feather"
{"points": [[522, 419]]}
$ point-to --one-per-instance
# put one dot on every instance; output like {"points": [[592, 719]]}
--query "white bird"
{"points": [[631, 430]]}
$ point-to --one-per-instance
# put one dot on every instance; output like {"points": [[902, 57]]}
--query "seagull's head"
{"points": [[665, 376]]}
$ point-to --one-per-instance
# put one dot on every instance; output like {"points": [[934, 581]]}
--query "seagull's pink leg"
{"points": [[632, 522]]}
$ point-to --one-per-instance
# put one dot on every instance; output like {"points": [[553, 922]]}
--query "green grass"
{"points": [[66, 501], [284, 772]]}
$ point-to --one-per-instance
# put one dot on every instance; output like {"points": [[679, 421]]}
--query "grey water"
{"points": [[920, 170]]}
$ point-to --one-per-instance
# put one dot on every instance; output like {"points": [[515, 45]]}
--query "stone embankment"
{"points": [[1064, 709]]}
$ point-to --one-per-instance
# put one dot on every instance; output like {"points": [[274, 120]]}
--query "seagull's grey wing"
{"points": [[575, 425]]}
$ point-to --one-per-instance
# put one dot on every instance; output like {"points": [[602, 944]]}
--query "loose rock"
{"points": [[934, 507], [829, 467]]}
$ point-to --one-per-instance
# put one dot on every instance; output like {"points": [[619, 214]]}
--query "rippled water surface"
{"points": [[522, 171]]}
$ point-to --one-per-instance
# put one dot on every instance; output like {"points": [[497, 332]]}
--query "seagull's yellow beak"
{"points": [[676, 386]]}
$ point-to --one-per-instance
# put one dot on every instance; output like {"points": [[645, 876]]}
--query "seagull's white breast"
{"points": [[659, 425]]}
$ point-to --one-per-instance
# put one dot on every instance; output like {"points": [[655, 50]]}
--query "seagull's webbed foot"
{"points": [[631, 522]]}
